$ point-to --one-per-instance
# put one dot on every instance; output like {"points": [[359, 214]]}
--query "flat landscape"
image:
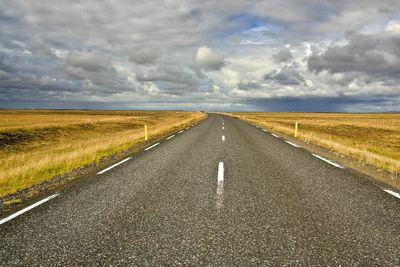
{"points": [[200, 133], [371, 138], [36, 145], [218, 193]]}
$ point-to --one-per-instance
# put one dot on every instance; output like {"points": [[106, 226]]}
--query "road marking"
{"points": [[187, 128], [150, 147], [392, 193], [220, 172], [170, 137], [264, 130], [27, 209], [274, 135], [328, 161], [220, 191], [223, 138], [220, 186], [181, 131], [223, 128], [115, 165], [292, 144]]}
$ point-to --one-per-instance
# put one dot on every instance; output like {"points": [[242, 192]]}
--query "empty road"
{"points": [[221, 193]]}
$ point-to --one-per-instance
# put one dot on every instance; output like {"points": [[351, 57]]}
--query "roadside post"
{"points": [[145, 132], [296, 126]]}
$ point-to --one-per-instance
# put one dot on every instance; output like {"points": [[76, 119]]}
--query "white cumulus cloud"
{"points": [[208, 59]]}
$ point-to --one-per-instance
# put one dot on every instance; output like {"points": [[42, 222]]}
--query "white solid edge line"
{"points": [[292, 144], [115, 165], [170, 137], [150, 147], [392, 193], [181, 131], [12, 216], [328, 161], [274, 135], [220, 171], [223, 138]]}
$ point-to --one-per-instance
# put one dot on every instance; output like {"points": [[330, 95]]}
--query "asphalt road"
{"points": [[277, 205]]}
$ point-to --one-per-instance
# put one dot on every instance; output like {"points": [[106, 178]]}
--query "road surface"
{"points": [[221, 193]]}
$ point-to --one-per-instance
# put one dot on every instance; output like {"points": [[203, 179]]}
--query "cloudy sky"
{"points": [[292, 55]]}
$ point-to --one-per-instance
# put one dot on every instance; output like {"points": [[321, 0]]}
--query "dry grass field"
{"points": [[36, 145], [371, 138]]}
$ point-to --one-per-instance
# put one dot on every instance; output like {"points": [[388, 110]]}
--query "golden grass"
{"points": [[371, 138], [40, 144]]}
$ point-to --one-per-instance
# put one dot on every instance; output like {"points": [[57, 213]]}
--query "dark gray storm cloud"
{"points": [[375, 55], [283, 56], [285, 76], [325, 104], [225, 54]]}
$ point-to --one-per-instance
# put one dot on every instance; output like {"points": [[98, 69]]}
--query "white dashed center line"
{"points": [[113, 166], [328, 161], [275, 135], [220, 186], [27, 209], [181, 131], [223, 138], [170, 137], [220, 172], [150, 147], [223, 128]]}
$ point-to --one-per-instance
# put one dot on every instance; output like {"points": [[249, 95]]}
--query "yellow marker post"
{"points": [[145, 132], [295, 129]]}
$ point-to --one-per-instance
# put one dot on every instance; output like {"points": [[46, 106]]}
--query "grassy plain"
{"points": [[36, 145], [371, 138]]}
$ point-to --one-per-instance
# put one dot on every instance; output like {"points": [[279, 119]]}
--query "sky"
{"points": [[225, 55]]}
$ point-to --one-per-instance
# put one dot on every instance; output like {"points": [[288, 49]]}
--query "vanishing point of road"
{"points": [[221, 193]]}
